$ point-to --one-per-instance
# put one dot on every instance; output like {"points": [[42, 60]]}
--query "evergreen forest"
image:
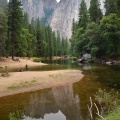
{"points": [[21, 37], [97, 31]]}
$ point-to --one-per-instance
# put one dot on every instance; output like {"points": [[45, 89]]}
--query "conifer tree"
{"points": [[3, 31], [110, 6], [58, 44], [38, 37], [25, 21], [15, 16], [83, 15], [95, 11]]}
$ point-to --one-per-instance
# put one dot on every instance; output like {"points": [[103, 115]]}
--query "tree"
{"points": [[95, 11], [93, 38], [110, 32], [25, 21], [15, 16], [83, 15], [3, 31], [110, 6], [58, 44], [39, 37]]}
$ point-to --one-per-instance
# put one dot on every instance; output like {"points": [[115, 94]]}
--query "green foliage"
{"points": [[83, 15], [87, 41], [107, 100], [21, 84], [37, 59], [101, 35], [3, 31], [111, 6], [12, 87], [25, 21], [95, 11], [18, 115], [26, 46], [110, 31], [113, 115], [15, 16]]}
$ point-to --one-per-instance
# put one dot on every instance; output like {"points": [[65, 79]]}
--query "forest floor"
{"points": [[26, 81]]}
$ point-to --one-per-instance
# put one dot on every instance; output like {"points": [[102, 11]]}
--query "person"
{"points": [[26, 67], [20, 70]]}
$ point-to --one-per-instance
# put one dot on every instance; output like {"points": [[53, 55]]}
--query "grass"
{"points": [[12, 87], [113, 115], [35, 59], [55, 76], [33, 81], [21, 84]]}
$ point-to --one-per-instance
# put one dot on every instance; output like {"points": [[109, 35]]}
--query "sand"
{"points": [[20, 82]]}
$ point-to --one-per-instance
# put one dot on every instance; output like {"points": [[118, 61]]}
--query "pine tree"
{"points": [[110, 6], [25, 21], [15, 16], [38, 37], [95, 11], [58, 44], [118, 7], [83, 15], [3, 31], [50, 42]]}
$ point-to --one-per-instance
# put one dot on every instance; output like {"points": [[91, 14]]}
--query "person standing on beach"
{"points": [[26, 67]]}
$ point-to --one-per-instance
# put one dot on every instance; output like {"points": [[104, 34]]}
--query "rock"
{"points": [[58, 15]]}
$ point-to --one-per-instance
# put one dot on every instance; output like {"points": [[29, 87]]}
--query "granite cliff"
{"points": [[58, 15]]}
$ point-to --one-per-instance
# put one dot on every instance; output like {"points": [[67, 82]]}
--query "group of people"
{"points": [[20, 69]]}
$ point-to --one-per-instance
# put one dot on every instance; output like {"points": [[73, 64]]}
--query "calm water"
{"points": [[67, 102]]}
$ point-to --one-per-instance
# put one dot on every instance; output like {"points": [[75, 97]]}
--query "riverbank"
{"points": [[20, 82], [18, 63]]}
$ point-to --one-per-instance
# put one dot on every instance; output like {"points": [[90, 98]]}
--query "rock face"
{"points": [[58, 15], [39, 8], [63, 15]]}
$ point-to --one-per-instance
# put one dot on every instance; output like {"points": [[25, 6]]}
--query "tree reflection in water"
{"points": [[59, 103]]}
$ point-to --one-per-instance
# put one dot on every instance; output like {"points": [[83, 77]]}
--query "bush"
{"points": [[37, 59], [107, 100], [113, 115]]}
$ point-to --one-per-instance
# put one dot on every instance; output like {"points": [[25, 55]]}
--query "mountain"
{"points": [[58, 15]]}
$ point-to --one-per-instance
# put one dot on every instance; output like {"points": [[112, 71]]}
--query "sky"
{"points": [[58, 0]]}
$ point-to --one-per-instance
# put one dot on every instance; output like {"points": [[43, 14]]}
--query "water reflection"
{"points": [[85, 66], [51, 116], [59, 103]]}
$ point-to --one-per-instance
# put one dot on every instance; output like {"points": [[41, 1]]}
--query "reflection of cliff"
{"points": [[58, 100]]}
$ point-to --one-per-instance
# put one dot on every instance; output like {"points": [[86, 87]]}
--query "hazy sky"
{"points": [[58, 0]]}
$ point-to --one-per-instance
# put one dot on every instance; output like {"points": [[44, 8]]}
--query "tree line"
{"points": [[21, 37], [96, 33]]}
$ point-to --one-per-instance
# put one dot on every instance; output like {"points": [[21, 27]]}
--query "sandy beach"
{"points": [[19, 82]]}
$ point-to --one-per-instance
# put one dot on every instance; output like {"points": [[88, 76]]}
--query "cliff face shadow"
{"points": [[58, 103]]}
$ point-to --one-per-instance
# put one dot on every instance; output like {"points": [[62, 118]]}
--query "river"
{"points": [[67, 102]]}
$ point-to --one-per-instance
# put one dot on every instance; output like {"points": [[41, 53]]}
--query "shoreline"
{"points": [[27, 81], [21, 82]]}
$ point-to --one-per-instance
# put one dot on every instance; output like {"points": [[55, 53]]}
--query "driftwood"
{"points": [[90, 110]]}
